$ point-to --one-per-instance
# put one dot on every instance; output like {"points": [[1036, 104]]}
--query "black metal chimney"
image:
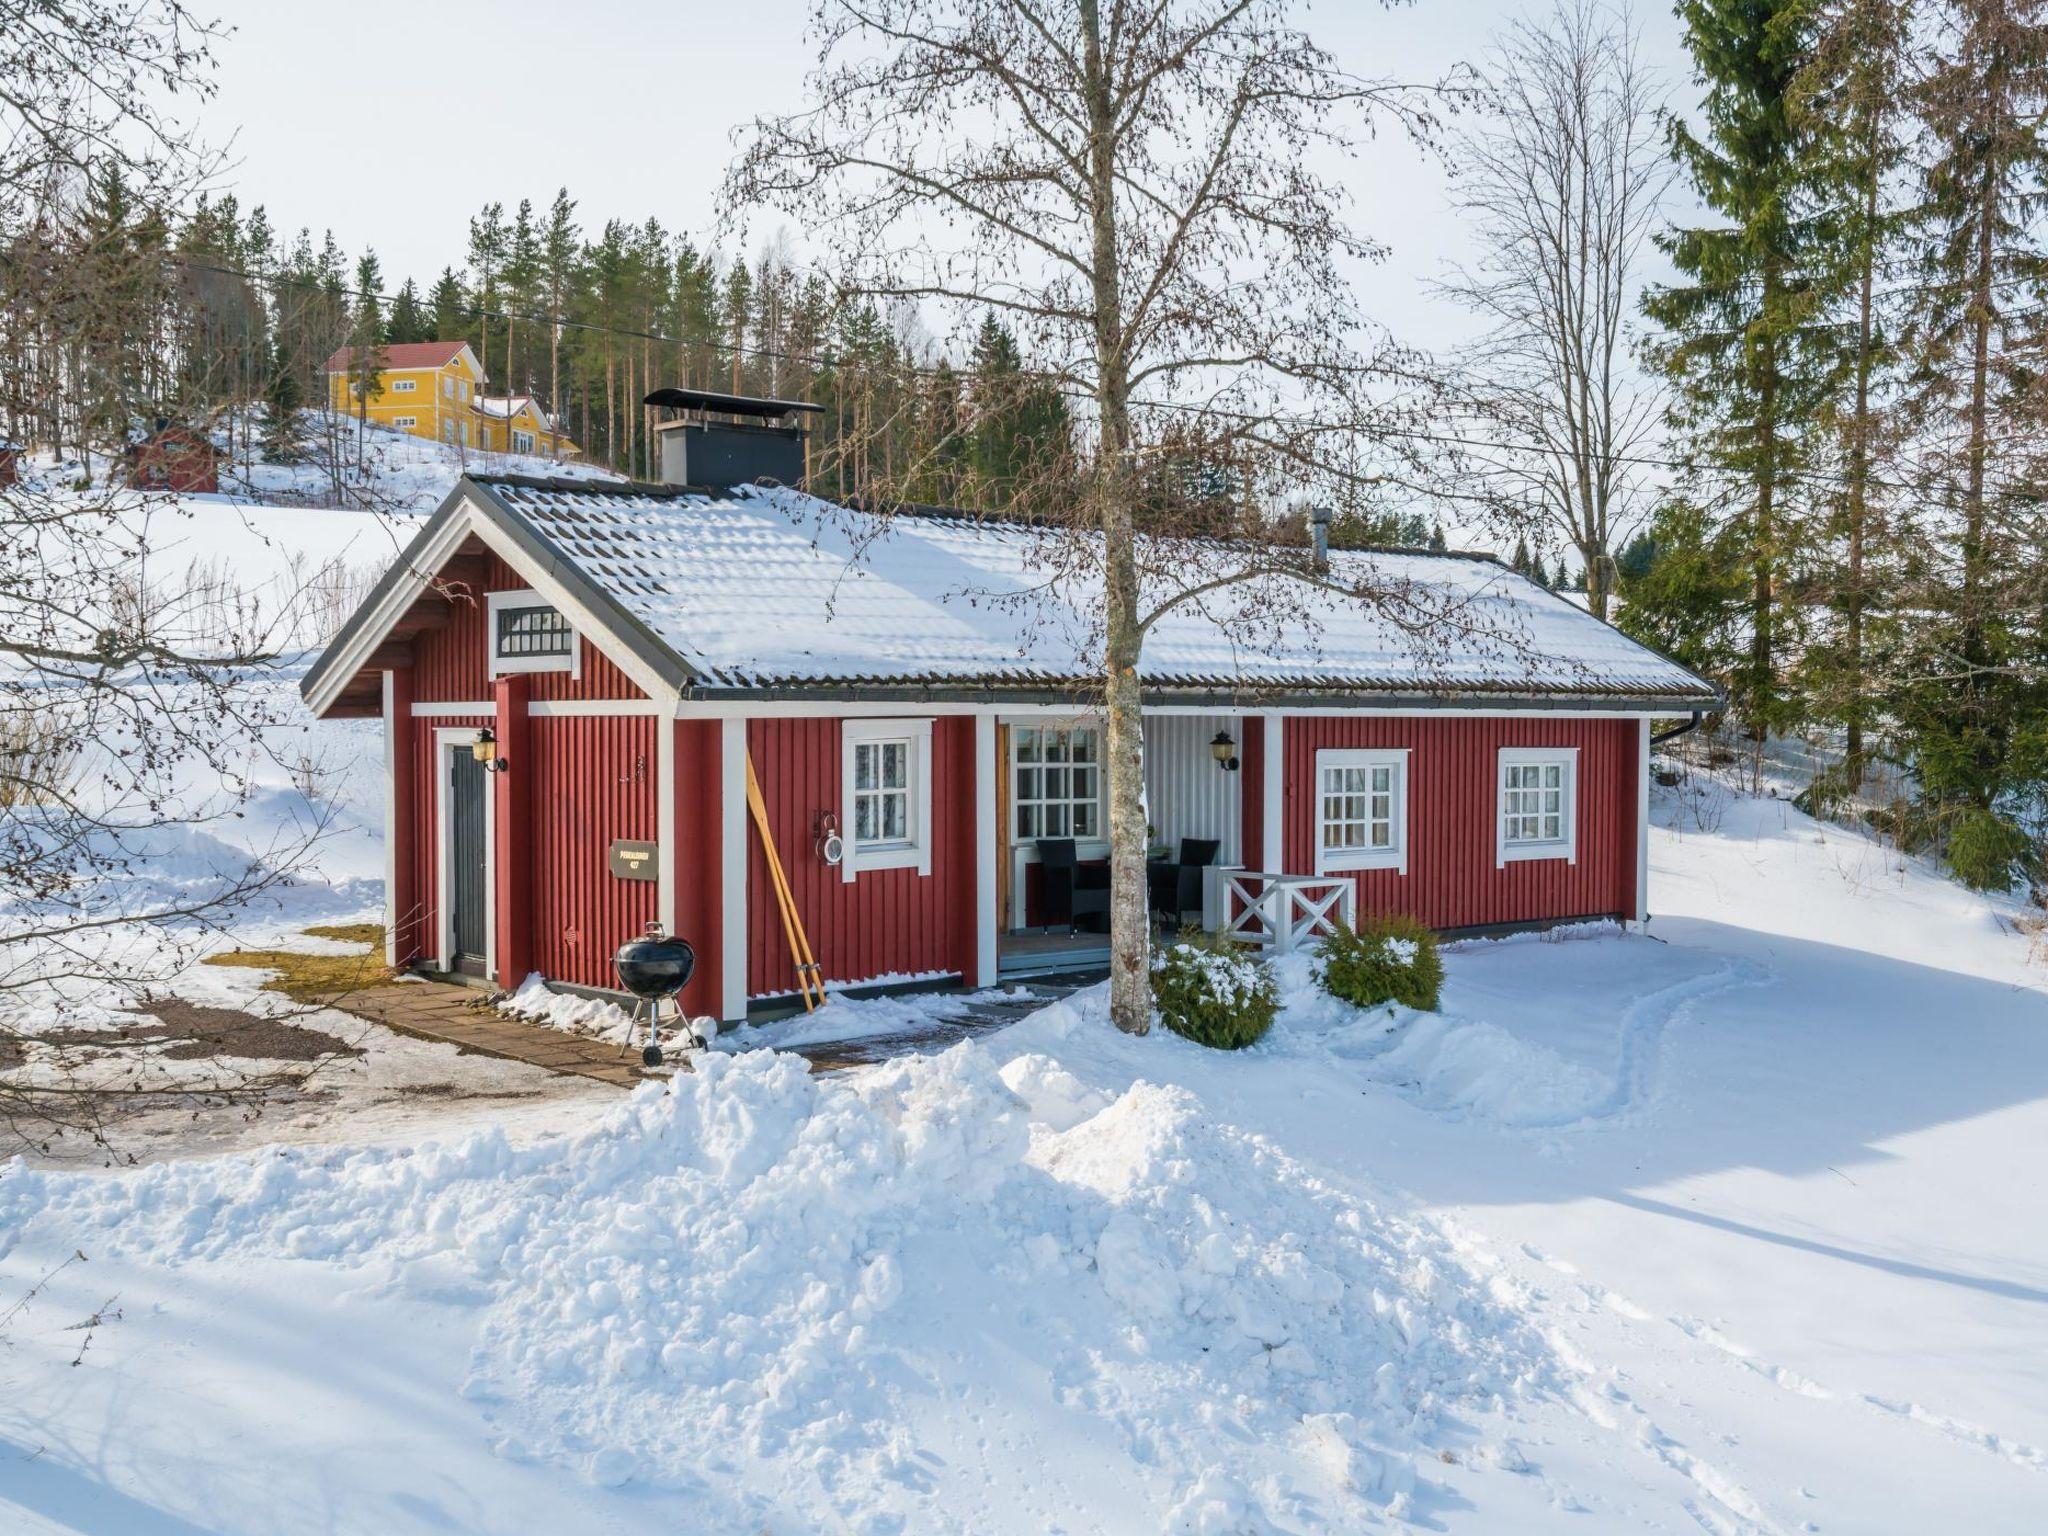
{"points": [[720, 441]]}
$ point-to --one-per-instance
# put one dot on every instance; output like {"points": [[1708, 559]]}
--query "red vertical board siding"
{"points": [[409, 939], [698, 860], [1453, 772], [1251, 794], [885, 922], [593, 781], [451, 664]]}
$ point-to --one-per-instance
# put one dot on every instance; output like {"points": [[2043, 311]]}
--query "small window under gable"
{"points": [[1362, 809], [529, 634], [885, 806], [1537, 812]]}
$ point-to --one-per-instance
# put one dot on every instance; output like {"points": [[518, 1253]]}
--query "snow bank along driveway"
{"points": [[1738, 1232]]}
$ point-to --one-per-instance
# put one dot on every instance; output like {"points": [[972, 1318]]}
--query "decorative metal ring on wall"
{"points": [[831, 847]]}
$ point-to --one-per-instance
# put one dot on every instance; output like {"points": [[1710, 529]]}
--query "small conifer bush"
{"points": [[1206, 989], [1387, 958]]}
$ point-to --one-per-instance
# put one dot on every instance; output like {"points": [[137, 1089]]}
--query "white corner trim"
{"points": [[1274, 787], [985, 831], [916, 851], [1346, 860], [665, 818], [461, 739], [494, 664], [391, 914], [1566, 847], [1643, 822], [732, 849]]}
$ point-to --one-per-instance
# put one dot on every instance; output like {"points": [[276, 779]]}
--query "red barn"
{"points": [[912, 696], [174, 459]]}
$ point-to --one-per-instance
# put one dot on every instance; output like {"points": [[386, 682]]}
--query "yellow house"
{"points": [[429, 388], [517, 424]]}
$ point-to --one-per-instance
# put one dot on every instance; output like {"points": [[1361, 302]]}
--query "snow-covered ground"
{"points": [[1735, 1226]]}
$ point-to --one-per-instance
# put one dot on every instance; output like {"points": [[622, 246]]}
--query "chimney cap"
{"points": [[731, 405]]}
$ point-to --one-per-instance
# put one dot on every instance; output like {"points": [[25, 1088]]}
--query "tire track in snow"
{"points": [[1961, 1430], [1648, 1020], [1719, 1502]]}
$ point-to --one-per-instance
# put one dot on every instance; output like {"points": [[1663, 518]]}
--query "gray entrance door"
{"points": [[466, 860]]}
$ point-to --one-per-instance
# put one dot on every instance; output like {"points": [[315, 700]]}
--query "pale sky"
{"points": [[631, 106]]}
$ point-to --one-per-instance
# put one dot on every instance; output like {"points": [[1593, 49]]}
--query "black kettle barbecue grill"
{"points": [[652, 967]]}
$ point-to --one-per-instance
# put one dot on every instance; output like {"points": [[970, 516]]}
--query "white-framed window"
{"points": [[448, 385], [522, 442], [404, 386], [1537, 816], [405, 421], [885, 795], [530, 634], [1362, 809], [1056, 781]]}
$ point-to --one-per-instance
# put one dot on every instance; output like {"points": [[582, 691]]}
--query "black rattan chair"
{"points": [[1176, 889], [1072, 890]]}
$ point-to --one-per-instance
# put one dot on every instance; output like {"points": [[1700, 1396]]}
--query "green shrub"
{"points": [[1388, 958], [1211, 992], [1986, 851]]}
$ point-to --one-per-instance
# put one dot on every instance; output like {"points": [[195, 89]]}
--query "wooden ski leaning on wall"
{"points": [[810, 978]]}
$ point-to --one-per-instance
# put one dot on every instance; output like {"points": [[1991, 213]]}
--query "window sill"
{"points": [[1518, 853], [906, 856], [1351, 863]]}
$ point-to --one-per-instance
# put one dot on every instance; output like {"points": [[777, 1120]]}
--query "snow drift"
{"points": [[765, 1288]]}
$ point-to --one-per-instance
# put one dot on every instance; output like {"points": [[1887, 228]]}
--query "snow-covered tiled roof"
{"points": [[767, 588]]}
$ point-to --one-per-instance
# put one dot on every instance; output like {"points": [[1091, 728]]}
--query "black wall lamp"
{"points": [[1224, 750], [485, 750]]}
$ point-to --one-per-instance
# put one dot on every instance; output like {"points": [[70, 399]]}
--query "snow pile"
{"points": [[763, 1289], [594, 1017]]}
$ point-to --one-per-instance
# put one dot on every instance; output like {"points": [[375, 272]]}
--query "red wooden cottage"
{"points": [[912, 702], [174, 458]]}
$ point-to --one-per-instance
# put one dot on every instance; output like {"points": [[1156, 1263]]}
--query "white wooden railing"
{"points": [[1275, 911]]}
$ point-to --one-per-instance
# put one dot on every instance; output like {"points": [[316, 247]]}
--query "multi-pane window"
{"points": [[404, 386], [881, 793], [1056, 781], [1536, 796], [885, 803], [537, 631], [1361, 810], [522, 442], [405, 421]]}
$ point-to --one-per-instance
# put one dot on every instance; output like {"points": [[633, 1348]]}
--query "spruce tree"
{"points": [[408, 320], [449, 311], [283, 398], [1975, 711], [366, 357], [1748, 350], [1852, 95], [1021, 425]]}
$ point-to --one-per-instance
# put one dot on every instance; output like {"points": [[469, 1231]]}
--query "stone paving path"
{"points": [[435, 1010], [459, 1016]]}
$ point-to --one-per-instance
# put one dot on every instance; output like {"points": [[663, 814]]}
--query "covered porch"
{"points": [[1209, 799]]}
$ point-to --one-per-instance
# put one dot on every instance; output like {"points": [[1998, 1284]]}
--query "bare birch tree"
{"points": [[1562, 180], [1150, 196]]}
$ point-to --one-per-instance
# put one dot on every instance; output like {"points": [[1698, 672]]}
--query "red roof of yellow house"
{"points": [[404, 354]]}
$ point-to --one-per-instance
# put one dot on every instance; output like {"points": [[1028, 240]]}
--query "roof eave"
{"points": [[1247, 696]]}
